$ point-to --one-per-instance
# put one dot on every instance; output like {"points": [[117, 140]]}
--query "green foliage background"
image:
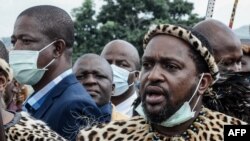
{"points": [[125, 19]]}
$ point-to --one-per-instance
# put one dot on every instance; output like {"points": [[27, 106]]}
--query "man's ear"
{"points": [[113, 87], [60, 46], [205, 83], [137, 75], [3, 82]]}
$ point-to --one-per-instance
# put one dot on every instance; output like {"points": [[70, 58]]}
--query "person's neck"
{"points": [[7, 116], [176, 130], [119, 99]]}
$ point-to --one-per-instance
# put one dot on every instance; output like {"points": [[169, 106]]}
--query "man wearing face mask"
{"points": [[125, 63], [177, 68], [43, 37]]}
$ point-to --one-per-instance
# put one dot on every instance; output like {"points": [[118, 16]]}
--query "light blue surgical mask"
{"points": [[183, 114], [24, 65], [120, 79]]}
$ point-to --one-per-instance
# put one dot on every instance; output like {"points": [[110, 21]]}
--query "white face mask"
{"points": [[24, 65], [120, 79], [180, 116]]}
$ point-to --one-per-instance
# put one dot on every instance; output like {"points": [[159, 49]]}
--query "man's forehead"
{"points": [[26, 21], [121, 50], [163, 57], [26, 26], [119, 55], [92, 60], [226, 48], [93, 63], [225, 55], [166, 43]]}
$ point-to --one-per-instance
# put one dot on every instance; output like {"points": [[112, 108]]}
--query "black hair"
{"points": [[54, 22]]}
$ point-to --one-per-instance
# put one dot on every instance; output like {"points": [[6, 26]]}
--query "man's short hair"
{"points": [[4, 54], [55, 23]]}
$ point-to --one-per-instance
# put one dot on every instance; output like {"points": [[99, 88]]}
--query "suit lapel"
{"points": [[53, 94]]}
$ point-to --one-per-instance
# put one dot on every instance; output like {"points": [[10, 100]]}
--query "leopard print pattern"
{"points": [[186, 35], [28, 129], [207, 126]]}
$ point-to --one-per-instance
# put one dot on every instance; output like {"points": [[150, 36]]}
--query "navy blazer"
{"points": [[69, 107]]}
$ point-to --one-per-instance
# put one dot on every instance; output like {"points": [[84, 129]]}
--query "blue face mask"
{"points": [[120, 79], [24, 65], [180, 116]]}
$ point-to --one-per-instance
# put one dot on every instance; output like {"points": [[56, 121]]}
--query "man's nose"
{"points": [[90, 80], [155, 74], [17, 45]]}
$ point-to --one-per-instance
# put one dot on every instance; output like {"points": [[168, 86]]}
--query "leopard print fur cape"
{"points": [[28, 129], [207, 126]]}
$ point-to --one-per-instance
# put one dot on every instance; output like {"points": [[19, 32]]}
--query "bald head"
{"points": [[225, 44], [95, 74], [95, 60], [118, 50]]}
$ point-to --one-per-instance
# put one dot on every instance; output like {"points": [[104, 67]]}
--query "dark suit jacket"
{"points": [[69, 107]]}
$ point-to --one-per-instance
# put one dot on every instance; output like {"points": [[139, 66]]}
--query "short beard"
{"points": [[166, 111]]}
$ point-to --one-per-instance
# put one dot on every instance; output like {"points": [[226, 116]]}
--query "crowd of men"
{"points": [[167, 94]]}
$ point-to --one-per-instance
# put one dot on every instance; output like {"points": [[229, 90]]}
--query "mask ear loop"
{"points": [[195, 93], [49, 63], [133, 82], [47, 46]]}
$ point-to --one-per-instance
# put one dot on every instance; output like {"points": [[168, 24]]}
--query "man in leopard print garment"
{"points": [[21, 126], [177, 68]]}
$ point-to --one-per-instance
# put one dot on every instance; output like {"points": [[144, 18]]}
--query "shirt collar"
{"points": [[33, 100], [126, 106]]}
